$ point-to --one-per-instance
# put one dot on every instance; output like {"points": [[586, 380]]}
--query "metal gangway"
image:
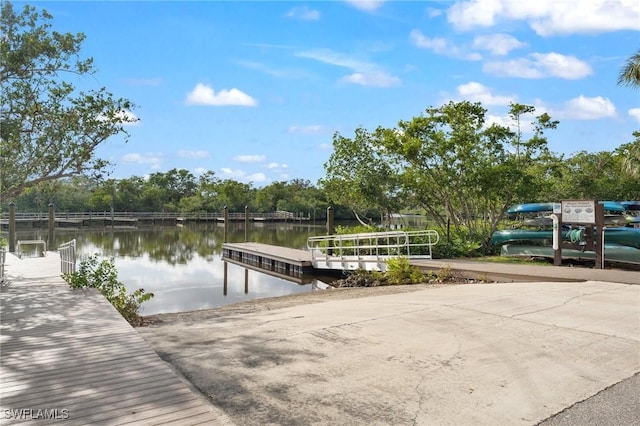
{"points": [[370, 251]]}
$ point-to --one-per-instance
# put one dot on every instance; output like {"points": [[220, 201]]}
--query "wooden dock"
{"points": [[102, 219], [278, 260], [68, 355]]}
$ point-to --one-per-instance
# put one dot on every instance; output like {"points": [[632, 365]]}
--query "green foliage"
{"points": [[629, 74], [361, 175], [460, 242], [49, 130], [400, 271], [356, 229], [103, 276]]}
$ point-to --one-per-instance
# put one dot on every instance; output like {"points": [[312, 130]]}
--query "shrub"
{"points": [[400, 271], [103, 276], [461, 243]]}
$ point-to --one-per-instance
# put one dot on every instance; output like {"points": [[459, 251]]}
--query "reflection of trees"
{"points": [[277, 234], [175, 245]]}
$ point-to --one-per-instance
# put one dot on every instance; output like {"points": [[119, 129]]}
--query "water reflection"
{"points": [[183, 266]]}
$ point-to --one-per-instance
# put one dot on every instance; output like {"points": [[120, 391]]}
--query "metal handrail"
{"points": [[68, 257], [373, 247], [3, 257]]}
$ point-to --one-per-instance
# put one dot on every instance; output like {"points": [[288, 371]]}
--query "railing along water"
{"points": [[68, 257], [370, 250], [3, 256]]}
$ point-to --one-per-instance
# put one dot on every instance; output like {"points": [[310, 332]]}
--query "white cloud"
{"points": [[476, 92], [128, 118], [432, 12], [275, 72], [277, 166], [152, 159], [232, 174], [634, 113], [498, 44], [242, 176], [441, 46], [125, 118], [540, 65], [526, 122], [548, 17], [366, 5], [500, 120], [583, 108], [374, 79], [203, 94], [325, 146], [192, 155], [314, 129], [256, 177], [304, 13], [365, 73], [249, 158]]}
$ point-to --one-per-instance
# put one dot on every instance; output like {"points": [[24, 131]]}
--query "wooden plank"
{"points": [[70, 350]]}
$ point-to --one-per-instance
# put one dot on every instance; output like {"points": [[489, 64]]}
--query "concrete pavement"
{"points": [[476, 354]]}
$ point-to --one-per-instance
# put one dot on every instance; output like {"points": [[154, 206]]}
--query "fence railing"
{"points": [[370, 250], [3, 256], [68, 257], [278, 215]]}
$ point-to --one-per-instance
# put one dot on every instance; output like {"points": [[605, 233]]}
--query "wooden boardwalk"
{"points": [[68, 356]]}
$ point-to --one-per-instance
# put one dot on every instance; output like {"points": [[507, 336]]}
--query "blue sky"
{"points": [[254, 91]]}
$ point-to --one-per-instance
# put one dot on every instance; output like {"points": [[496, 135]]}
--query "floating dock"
{"points": [[265, 257]]}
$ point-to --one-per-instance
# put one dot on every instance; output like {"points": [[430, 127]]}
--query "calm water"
{"points": [[183, 266]]}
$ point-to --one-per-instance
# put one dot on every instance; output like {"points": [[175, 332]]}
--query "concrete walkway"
{"points": [[68, 356], [478, 354], [508, 272]]}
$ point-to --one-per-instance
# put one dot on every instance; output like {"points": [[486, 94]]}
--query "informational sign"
{"points": [[579, 211]]}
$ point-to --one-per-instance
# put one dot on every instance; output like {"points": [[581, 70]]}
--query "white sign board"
{"points": [[579, 211]]}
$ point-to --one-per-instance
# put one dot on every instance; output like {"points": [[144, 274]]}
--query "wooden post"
{"points": [[226, 223], [12, 227], [330, 220], [52, 225], [224, 286], [246, 223], [330, 229], [599, 237]]}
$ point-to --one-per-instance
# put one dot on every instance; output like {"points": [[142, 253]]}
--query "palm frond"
{"points": [[630, 72]]}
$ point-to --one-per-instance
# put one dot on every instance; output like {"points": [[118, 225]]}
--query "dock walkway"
{"points": [[67, 355], [284, 262]]}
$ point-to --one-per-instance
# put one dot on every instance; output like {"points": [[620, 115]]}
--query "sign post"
{"points": [[586, 218]]}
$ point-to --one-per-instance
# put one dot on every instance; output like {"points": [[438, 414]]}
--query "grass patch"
{"points": [[522, 260]]}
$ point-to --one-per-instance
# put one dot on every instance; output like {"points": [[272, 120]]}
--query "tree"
{"points": [[630, 73], [630, 153], [174, 184], [462, 171], [360, 174], [48, 129]]}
